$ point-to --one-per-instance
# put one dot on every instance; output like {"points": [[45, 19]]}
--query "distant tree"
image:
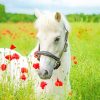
{"points": [[2, 13], [6, 17], [2, 10]]}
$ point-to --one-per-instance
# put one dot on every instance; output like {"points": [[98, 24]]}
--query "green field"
{"points": [[85, 45]]}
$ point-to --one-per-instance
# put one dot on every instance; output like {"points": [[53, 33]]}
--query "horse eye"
{"points": [[57, 39]]}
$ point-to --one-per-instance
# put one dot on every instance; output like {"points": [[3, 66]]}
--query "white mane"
{"points": [[46, 22]]}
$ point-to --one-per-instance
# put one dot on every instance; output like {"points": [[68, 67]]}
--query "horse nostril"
{"points": [[46, 72]]}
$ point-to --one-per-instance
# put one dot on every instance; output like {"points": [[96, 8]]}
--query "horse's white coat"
{"points": [[48, 29]]}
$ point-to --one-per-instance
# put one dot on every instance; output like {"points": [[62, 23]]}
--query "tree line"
{"points": [[83, 17], [9, 17]]}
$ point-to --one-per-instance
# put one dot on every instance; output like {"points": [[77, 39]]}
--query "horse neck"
{"points": [[63, 71], [66, 60]]}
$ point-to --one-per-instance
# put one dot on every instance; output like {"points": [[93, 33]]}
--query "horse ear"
{"points": [[37, 13], [58, 16]]}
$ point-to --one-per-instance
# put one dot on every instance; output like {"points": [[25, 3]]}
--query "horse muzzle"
{"points": [[44, 74]]}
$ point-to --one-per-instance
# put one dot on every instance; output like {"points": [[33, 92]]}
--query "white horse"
{"points": [[53, 49], [51, 78]]}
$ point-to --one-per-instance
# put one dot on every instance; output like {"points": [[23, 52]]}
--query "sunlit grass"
{"points": [[85, 75], [21, 34], [85, 45]]}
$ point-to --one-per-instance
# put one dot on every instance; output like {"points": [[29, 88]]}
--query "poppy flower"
{"points": [[43, 84], [36, 66], [24, 70], [23, 77], [11, 57], [75, 62], [3, 67], [73, 57], [12, 47], [58, 83], [8, 57], [5, 32], [15, 56], [8, 31]]}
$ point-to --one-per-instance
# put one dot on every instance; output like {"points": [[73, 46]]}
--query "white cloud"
{"points": [[63, 5], [71, 3], [85, 3]]}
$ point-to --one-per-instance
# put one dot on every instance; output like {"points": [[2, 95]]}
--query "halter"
{"points": [[49, 54]]}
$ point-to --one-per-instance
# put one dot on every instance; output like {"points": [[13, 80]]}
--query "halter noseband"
{"points": [[46, 53]]}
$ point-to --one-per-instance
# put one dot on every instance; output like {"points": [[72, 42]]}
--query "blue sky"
{"points": [[65, 6]]}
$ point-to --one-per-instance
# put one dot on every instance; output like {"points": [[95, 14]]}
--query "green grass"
{"points": [[21, 34], [85, 45], [85, 76]]}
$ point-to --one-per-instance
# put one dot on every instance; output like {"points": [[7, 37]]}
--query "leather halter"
{"points": [[46, 53]]}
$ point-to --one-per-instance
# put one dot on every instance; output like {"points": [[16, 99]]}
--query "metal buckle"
{"points": [[57, 64]]}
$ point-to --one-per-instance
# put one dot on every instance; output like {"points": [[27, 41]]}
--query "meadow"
{"points": [[85, 46]]}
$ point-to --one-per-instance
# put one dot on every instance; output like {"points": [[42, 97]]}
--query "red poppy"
{"points": [[75, 62], [36, 66], [23, 77], [8, 57], [73, 57], [11, 57], [58, 83], [8, 31], [12, 47], [5, 32], [3, 67], [24, 70], [15, 56], [43, 84]]}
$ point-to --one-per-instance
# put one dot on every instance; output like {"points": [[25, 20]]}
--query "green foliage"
{"points": [[2, 10], [6, 17], [84, 40], [2, 13], [83, 18], [18, 18]]}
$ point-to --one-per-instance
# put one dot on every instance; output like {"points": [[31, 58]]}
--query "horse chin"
{"points": [[45, 75], [45, 78]]}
